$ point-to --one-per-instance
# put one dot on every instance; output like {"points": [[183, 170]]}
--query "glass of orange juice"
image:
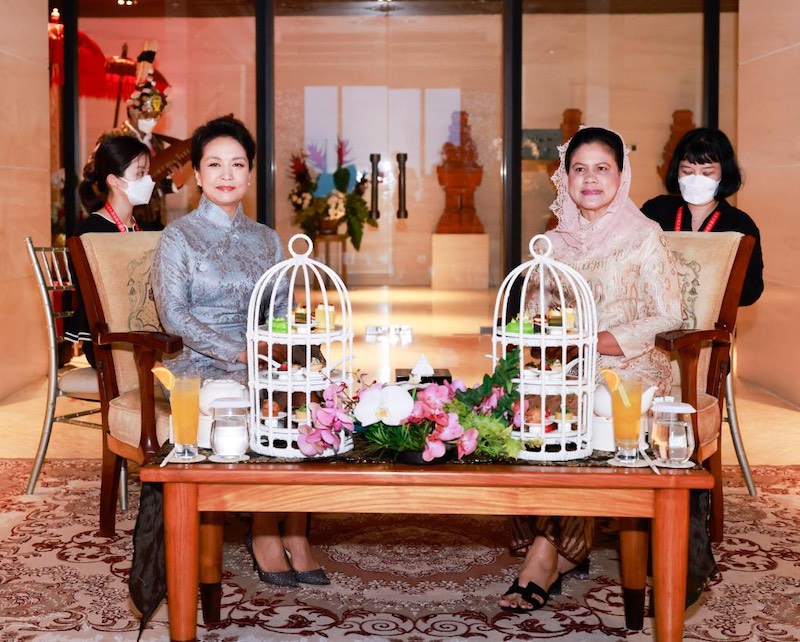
{"points": [[626, 407], [184, 400]]}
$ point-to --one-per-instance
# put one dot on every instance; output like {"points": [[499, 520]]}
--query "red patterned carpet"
{"points": [[395, 578]]}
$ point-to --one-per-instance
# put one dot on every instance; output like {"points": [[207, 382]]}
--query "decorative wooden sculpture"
{"points": [[682, 122], [570, 124], [459, 175]]}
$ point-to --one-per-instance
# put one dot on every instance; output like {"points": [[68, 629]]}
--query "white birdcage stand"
{"points": [[274, 321], [535, 307]]}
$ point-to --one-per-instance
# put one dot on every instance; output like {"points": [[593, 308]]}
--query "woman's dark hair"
{"points": [[227, 126], [113, 156], [596, 135], [704, 145]]}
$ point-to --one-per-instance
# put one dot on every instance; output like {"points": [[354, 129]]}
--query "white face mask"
{"points": [[140, 190], [697, 189], [146, 125]]}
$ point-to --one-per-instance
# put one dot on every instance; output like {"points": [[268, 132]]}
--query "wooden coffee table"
{"points": [[195, 496]]}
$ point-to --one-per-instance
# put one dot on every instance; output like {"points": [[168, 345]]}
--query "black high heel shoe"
{"points": [[315, 576], [278, 578]]}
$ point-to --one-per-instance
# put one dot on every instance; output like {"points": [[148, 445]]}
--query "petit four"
{"points": [[279, 324]]}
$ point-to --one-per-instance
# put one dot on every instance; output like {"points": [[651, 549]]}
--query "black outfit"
{"points": [[664, 209], [77, 326]]}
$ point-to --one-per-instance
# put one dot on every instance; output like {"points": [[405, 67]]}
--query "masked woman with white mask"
{"points": [[702, 173], [118, 182]]}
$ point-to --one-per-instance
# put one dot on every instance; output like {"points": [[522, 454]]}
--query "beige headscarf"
{"points": [[621, 216]]}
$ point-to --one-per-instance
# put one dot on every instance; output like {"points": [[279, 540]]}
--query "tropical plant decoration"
{"points": [[321, 199]]}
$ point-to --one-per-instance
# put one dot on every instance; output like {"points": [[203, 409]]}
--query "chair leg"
{"points": [[736, 435], [714, 466], [109, 489], [44, 440], [123, 486]]}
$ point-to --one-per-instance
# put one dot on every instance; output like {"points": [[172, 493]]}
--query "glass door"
{"points": [[396, 94]]}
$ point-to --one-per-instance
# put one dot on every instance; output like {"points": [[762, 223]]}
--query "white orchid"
{"points": [[388, 404]]}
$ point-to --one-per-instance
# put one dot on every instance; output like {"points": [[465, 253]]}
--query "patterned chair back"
{"points": [[120, 265], [703, 261]]}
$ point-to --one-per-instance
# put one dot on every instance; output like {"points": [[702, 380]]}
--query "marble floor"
{"points": [[393, 327]]}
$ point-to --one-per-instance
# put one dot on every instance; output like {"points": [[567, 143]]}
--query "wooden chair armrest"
{"points": [[158, 341], [677, 340], [147, 347]]}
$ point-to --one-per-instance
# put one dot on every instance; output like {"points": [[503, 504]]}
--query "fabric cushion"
{"points": [[80, 383], [124, 417], [120, 265]]}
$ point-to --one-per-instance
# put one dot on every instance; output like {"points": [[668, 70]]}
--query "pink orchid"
{"points": [[468, 442], [434, 448], [451, 430], [490, 403], [334, 419], [333, 394], [433, 396], [314, 441], [455, 386]]}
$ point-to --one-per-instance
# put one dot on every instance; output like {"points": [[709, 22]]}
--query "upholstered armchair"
{"points": [[114, 273], [711, 267]]}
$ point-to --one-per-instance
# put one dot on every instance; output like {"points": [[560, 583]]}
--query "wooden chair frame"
{"points": [[686, 344], [147, 349]]}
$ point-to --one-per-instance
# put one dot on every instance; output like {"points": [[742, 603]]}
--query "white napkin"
{"points": [[423, 368]]}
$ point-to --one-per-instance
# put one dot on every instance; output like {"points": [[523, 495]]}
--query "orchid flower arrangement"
{"points": [[395, 420], [318, 196], [426, 419]]}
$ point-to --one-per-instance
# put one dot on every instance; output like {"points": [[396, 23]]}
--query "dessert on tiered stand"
{"points": [[291, 307], [545, 310]]}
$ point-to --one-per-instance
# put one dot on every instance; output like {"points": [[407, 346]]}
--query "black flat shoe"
{"points": [[278, 578], [529, 593]]}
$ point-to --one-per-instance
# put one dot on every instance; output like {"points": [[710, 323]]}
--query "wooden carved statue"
{"points": [[682, 122], [459, 175]]}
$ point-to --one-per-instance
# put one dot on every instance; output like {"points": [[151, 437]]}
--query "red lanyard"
{"points": [[117, 220], [706, 228]]}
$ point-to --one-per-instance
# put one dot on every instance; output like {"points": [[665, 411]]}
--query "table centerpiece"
{"points": [[430, 423]]}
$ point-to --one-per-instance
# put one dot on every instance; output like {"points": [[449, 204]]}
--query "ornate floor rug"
{"points": [[395, 578]]}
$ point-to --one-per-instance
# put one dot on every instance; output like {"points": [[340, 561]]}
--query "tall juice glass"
{"points": [[185, 402], [626, 406]]}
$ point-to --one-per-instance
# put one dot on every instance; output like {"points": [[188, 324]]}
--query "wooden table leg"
{"points": [[670, 551], [181, 534], [633, 538], [211, 565]]}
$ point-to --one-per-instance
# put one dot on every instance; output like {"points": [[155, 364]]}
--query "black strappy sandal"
{"points": [[528, 593]]}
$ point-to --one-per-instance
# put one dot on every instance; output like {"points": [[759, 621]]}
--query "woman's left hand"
{"points": [[607, 344]]}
